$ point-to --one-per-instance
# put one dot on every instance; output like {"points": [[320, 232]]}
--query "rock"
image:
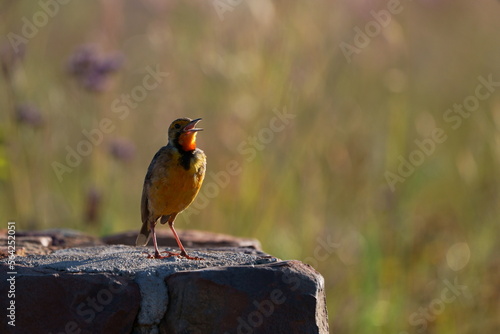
{"points": [[282, 297], [189, 238], [63, 302], [45, 242], [116, 289], [61, 238]]}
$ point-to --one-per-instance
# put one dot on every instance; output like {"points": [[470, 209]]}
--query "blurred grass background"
{"points": [[320, 181]]}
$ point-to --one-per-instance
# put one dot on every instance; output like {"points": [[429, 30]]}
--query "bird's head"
{"points": [[182, 133]]}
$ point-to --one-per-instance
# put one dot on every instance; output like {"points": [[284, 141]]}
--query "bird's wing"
{"points": [[145, 189], [144, 234], [144, 205]]}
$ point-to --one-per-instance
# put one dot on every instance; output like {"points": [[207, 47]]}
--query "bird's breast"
{"points": [[174, 187]]}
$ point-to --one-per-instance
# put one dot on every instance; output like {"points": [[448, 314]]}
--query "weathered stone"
{"points": [[116, 289], [46, 241], [62, 238], [282, 297], [189, 238], [50, 301]]}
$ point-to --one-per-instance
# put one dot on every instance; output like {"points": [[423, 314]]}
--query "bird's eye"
{"points": [[177, 126]]}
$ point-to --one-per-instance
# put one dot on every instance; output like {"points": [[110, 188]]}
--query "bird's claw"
{"points": [[157, 255], [184, 255]]}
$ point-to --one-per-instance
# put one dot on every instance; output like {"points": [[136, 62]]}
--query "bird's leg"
{"points": [[157, 254], [179, 243]]}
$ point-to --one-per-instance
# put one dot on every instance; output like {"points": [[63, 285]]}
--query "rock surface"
{"points": [[116, 289], [46, 241], [54, 301], [190, 238], [281, 297]]}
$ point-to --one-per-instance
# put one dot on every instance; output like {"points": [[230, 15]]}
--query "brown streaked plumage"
{"points": [[172, 182]]}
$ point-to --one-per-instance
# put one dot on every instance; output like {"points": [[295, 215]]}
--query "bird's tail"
{"points": [[144, 235]]}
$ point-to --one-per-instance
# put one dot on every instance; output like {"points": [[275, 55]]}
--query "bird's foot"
{"points": [[186, 256], [157, 255]]}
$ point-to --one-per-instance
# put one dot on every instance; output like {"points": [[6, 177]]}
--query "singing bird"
{"points": [[171, 184]]}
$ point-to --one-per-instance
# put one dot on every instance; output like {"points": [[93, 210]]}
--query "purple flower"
{"points": [[28, 114], [122, 149], [91, 69]]}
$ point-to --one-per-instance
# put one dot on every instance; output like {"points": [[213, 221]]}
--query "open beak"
{"points": [[190, 127]]}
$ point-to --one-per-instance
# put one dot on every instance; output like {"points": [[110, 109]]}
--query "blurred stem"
{"points": [[20, 185]]}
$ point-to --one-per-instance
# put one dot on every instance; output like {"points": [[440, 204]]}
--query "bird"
{"points": [[173, 180]]}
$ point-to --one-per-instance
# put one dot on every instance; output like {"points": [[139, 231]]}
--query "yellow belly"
{"points": [[174, 188]]}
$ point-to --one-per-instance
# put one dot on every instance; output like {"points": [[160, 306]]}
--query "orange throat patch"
{"points": [[187, 140]]}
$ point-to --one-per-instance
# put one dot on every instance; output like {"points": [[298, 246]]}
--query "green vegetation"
{"points": [[313, 186]]}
